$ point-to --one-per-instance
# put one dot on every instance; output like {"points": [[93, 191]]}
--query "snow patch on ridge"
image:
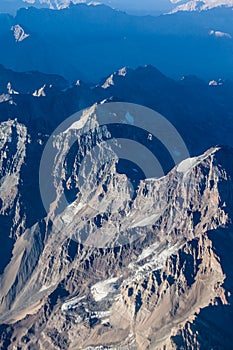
{"points": [[72, 303], [150, 220], [122, 72], [148, 251], [157, 258], [101, 289], [19, 33], [79, 124], [187, 165], [200, 5], [219, 34]]}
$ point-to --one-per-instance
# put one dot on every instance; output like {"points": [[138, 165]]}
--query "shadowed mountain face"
{"points": [[89, 42], [152, 270], [28, 83], [200, 111]]}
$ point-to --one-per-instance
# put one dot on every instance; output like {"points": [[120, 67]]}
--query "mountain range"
{"points": [[134, 7], [75, 44], [116, 177], [200, 5], [168, 288], [199, 110]]}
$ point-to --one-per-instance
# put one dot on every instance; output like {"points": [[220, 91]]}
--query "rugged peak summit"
{"points": [[142, 73], [114, 78], [10, 90]]}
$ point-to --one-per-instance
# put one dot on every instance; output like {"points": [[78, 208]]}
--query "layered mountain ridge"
{"points": [[181, 102], [148, 7], [91, 42]]}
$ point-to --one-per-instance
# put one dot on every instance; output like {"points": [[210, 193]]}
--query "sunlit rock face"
{"points": [[76, 279]]}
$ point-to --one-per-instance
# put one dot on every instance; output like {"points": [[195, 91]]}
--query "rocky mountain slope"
{"points": [[148, 267], [154, 291]]}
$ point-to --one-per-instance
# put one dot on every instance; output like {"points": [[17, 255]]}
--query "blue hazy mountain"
{"points": [[11, 6], [137, 7], [89, 42], [151, 7]]}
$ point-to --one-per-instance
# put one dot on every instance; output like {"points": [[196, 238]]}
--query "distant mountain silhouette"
{"points": [[89, 42]]}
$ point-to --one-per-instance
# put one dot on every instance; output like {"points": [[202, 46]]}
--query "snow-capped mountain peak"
{"points": [[19, 33], [122, 72], [182, 5], [199, 5], [59, 4]]}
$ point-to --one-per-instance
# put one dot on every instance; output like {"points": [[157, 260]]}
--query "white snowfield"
{"points": [[101, 289], [157, 259], [148, 251], [79, 124], [72, 303], [97, 348], [43, 288], [146, 221], [188, 164]]}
